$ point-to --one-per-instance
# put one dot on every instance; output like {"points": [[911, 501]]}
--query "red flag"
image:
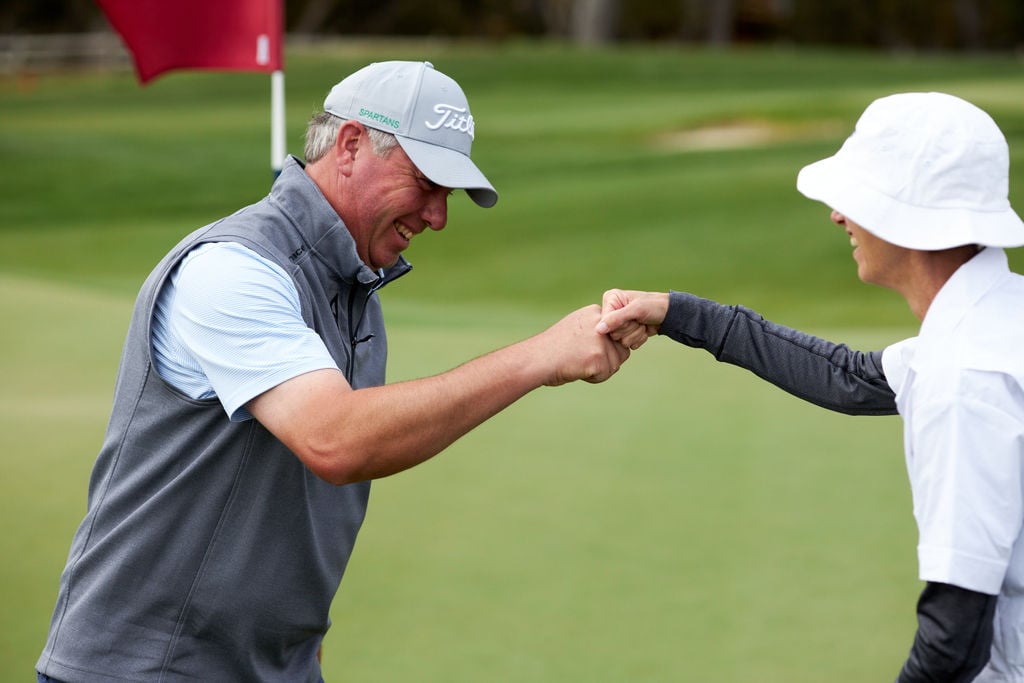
{"points": [[232, 35]]}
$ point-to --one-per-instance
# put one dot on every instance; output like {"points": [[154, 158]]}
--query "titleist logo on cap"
{"points": [[456, 118]]}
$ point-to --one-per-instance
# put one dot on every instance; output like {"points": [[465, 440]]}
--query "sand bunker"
{"points": [[738, 134]]}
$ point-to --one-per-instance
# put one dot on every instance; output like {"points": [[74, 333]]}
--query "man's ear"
{"points": [[352, 138]]}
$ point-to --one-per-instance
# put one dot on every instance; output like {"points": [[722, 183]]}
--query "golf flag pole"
{"points": [[277, 146], [221, 35]]}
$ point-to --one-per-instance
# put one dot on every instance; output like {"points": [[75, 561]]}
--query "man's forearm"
{"points": [[404, 424]]}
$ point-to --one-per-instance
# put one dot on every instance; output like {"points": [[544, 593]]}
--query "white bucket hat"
{"points": [[923, 171], [428, 113]]}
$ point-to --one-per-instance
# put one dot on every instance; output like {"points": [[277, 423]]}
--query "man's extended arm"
{"points": [[345, 435]]}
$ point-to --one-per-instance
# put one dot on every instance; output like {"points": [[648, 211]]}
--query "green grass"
{"points": [[681, 522]]}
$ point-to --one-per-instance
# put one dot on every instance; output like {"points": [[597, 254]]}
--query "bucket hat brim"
{"points": [[913, 227]]}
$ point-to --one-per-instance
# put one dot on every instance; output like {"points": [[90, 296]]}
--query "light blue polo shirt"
{"points": [[228, 323]]}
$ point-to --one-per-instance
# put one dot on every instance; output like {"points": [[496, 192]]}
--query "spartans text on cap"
{"points": [[374, 116]]}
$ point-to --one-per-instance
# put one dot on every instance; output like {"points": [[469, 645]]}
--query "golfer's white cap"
{"points": [[923, 171], [428, 113]]}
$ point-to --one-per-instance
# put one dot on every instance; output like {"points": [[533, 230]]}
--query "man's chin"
{"points": [[379, 265]]}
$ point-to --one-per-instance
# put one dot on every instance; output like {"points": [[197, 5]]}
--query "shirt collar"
{"points": [[966, 286]]}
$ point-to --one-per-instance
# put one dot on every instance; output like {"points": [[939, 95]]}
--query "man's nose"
{"points": [[435, 213]]}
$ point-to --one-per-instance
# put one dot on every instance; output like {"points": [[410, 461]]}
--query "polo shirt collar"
{"points": [[967, 285]]}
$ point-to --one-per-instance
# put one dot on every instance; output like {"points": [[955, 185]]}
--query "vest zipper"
{"points": [[354, 339]]}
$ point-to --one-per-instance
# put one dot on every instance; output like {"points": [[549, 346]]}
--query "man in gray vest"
{"points": [[250, 411]]}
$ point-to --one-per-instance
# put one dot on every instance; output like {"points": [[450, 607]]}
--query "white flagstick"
{"points": [[277, 147]]}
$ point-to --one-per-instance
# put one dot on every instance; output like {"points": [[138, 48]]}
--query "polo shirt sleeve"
{"points": [[240, 318], [965, 470], [896, 361]]}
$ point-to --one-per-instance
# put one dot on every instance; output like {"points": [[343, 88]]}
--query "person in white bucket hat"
{"points": [[250, 410], [925, 171], [921, 189]]}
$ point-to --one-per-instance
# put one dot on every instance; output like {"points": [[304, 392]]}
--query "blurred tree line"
{"points": [[993, 25]]}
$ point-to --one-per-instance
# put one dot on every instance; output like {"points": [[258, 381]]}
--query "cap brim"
{"points": [[451, 169], [831, 182]]}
